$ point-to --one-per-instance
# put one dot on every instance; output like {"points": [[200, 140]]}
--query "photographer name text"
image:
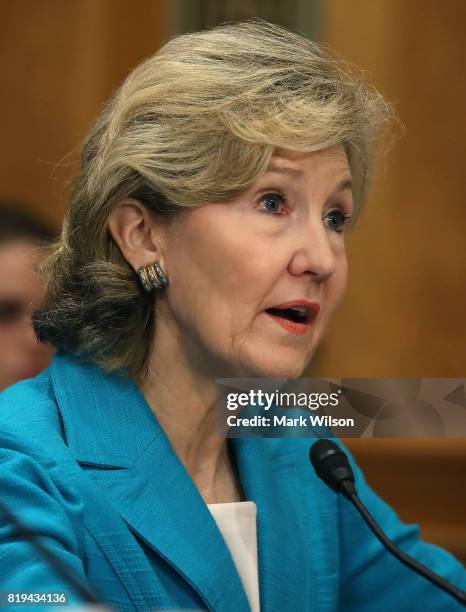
{"points": [[283, 421]]}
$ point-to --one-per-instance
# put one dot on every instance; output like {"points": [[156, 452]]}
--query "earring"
{"points": [[152, 277]]}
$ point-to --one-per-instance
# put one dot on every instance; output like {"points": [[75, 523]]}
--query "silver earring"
{"points": [[152, 277]]}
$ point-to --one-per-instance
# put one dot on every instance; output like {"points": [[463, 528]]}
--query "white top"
{"points": [[237, 523]]}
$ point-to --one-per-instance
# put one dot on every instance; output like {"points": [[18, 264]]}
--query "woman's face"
{"points": [[278, 243], [21, 291]]}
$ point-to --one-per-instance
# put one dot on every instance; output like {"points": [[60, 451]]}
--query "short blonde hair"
{"points": [[197, 122]]}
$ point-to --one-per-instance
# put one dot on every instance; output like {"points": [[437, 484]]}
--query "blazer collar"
{"points": [[106, 419], [108, 424]]}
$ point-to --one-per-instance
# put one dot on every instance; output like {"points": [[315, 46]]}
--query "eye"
{"points": [[336, 219], [10, 311], [272, 203]]}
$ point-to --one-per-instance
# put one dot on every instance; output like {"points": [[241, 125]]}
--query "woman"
{"points": [[215, 186]]}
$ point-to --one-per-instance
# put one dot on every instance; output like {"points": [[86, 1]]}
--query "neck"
{"points": [[183, 400]]}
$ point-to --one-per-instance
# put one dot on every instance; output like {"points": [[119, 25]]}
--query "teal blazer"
{"points": [[85, 464]]}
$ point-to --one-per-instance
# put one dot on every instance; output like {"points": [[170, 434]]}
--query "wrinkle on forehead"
{"points": [[282, 155], [294, 163]]}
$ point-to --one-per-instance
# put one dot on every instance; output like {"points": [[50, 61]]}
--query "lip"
{"points": [[293, 327]]}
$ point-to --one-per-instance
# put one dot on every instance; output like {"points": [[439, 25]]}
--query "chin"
{"points": [[267, 360], [276, 368]]}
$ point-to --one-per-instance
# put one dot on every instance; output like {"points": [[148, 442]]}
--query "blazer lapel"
{"points": [[270, 480], [158, 500], [178, 525], [108, 424]]}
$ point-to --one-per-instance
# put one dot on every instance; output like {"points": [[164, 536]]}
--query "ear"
{"points": [[137, 234]]}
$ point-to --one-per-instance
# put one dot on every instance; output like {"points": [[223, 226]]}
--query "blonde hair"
{"points": [[197, 122]]}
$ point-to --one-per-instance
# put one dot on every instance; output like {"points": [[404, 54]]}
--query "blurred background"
{"points": [[404, 312]]}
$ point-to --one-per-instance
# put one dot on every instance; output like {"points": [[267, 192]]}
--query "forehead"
{"points": [[17, 275], [323, 170], [296, 160]]}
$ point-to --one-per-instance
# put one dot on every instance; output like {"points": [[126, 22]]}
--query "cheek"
{"points": [[336, 285], [221, 273]]}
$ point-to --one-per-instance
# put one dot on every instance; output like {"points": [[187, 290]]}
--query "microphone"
{"points": [[53, 560], [332, 466]]}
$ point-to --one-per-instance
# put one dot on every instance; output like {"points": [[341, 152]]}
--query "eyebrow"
{"points": [[345, 183]]}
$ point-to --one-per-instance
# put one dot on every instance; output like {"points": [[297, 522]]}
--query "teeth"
{"points": [[300, 309]]}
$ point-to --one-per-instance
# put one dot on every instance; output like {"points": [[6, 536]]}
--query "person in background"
{"points": [[21, 237]]}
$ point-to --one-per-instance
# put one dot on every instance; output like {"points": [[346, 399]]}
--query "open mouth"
{"points": [[296, 315]]}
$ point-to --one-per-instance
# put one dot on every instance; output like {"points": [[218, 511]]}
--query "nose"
{"points": [[314, 255]]}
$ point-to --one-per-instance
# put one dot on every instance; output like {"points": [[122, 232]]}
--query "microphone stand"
{"points": [[332, 466], [407, 560]]}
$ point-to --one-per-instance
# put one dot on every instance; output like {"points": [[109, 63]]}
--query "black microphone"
{"points": [[53, 560], [332, 466]]}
